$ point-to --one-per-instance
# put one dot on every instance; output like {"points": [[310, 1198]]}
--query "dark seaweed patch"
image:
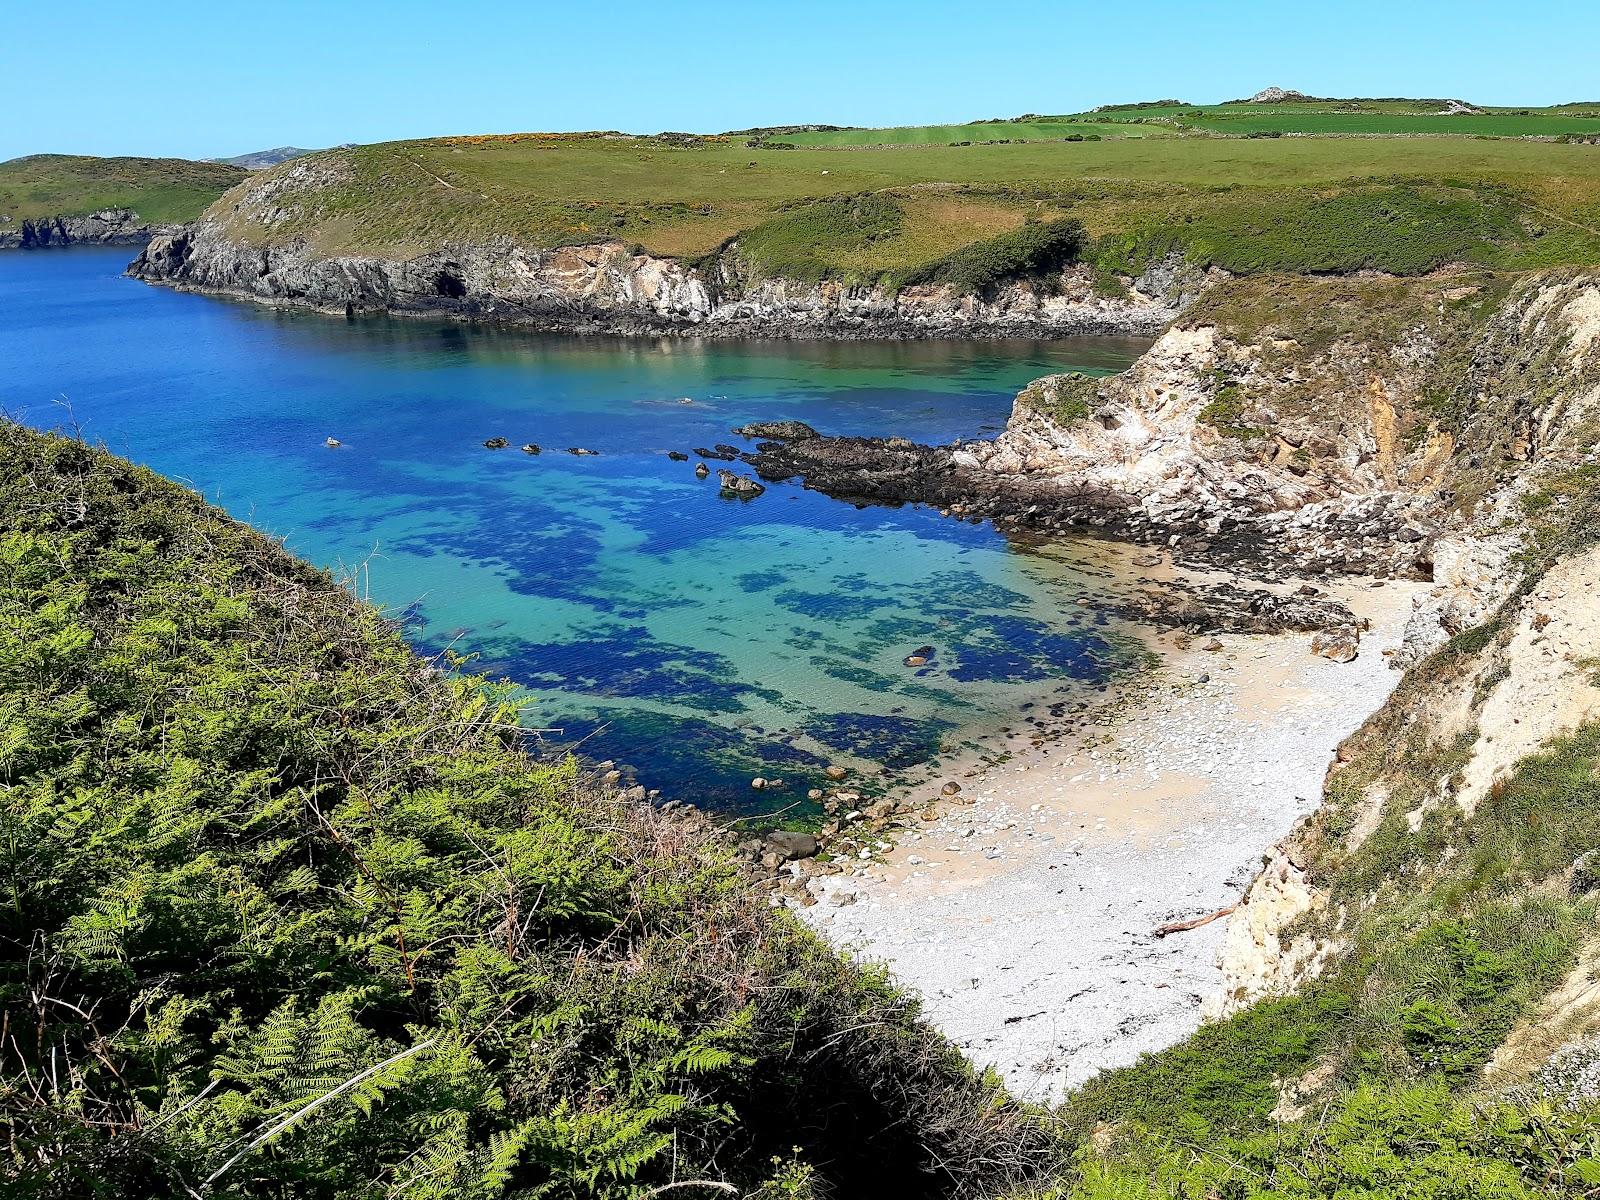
{"points": [[896, 742]]}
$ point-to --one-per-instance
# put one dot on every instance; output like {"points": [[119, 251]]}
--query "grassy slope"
{"points": [[254, 847], [1296, 204], [161, 190]]}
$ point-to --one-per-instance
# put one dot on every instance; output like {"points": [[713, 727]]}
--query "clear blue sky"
{"points": [[177, 77]]}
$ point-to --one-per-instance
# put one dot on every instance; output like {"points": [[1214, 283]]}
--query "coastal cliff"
{"points": [[106, 227], [1322, 426], [321, 233], [610, 287]]}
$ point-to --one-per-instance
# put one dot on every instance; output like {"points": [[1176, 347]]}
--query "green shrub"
{"points": [[1033, 249], [798, 244]]}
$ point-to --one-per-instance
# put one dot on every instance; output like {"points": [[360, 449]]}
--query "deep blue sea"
{"points": [[699, 640]]}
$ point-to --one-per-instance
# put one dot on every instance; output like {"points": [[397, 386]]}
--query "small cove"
{"points": [[697, 639]]}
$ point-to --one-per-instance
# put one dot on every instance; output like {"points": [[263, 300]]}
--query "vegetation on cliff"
{"points": [[160, 190], [289, 911]]}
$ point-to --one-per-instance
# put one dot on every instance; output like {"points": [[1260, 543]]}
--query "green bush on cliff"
{"points": [[288, 910], [804, 242], [1033, 249]]}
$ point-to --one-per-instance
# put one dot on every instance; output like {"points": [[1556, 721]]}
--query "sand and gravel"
{"points": [[1024, 914]]}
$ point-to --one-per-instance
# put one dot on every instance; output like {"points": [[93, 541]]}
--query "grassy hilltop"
{"points": [[896, 212], [160, 190]]}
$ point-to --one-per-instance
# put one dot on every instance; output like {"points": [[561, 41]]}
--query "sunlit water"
{"points": [[699, 640]]}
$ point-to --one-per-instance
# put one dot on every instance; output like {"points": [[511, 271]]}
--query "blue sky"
{"points": [[196, 79]]}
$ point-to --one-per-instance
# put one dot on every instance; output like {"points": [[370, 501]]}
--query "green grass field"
{"points": [[158, 189], [1286, 204], [1041, 129], [1317, 117]]}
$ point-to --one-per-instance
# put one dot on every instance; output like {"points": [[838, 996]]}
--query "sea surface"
{"points": [[698, 641]]}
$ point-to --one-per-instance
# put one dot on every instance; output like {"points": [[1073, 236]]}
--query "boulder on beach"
{"points": [[789, 844], [1338, 645]]}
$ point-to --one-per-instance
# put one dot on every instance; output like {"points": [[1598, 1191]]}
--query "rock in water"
{"points": [[496, 443], [580, 451], [784, 431], [919, 657], [532, 448], [741, 486], [720, 454], [333, 443], [677, 456], [835, 773], [701, 471]]}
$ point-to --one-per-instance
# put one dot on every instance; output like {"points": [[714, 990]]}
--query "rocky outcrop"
{"points": [[609, 287], [1279, 447], [108, 227]]}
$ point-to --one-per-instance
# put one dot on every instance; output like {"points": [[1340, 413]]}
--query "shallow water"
{"points": [[699, 640]]}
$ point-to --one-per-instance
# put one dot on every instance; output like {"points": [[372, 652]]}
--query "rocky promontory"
{"points": [[251, 245], [1263, 442], [106, 227]]}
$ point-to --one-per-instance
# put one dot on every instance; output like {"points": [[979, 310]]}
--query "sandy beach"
{"points": [[1025, 914]]}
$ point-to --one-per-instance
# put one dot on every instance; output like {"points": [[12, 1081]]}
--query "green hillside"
{"points": [[289, 912], [1293, 204], [160, 190]]}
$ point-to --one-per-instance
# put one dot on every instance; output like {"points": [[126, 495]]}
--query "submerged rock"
{"points": [[919, 657], [719, 453]]}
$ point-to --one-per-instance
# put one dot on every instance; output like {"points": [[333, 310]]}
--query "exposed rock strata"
{"points": [[1265, 451], [1535, 376], [610, 288], [108, 227]]}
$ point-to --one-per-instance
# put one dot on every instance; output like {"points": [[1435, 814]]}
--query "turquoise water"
{"points": [[698, 640]]}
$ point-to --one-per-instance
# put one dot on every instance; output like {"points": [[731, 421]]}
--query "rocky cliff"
{"points": [[1333, 425], [610, 287], [107, 227], [1482, 754]]}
